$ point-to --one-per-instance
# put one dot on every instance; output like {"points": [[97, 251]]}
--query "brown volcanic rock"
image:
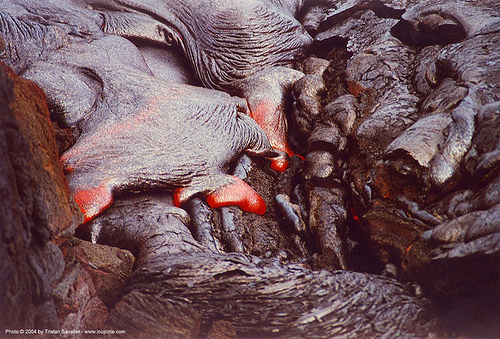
{"points": [[36, 213], [34, 206], [31, 112]]}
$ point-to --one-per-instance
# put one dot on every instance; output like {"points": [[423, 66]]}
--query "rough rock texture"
{"points": [[397, 120], [194, 292]]}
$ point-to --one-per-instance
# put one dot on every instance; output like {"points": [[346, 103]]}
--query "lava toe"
{"points": [[94, 200], [238, 193]]}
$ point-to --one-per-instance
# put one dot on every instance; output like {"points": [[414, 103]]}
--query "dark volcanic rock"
{"points": [[52, 201], [418, 165], [327, 223], [270, 234]]}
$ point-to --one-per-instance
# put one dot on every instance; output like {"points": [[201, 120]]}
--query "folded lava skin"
{"points": [[235, 46], [136, 132]]}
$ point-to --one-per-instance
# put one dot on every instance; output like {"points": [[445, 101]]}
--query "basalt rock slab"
{"points": [[30, 110], [79, 306], [108, 266], [91, 282]]}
